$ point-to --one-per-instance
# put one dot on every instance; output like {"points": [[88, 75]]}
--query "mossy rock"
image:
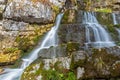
{"points": [[56, 72], [99, 62], [112, 30], [72, 46], [104, 18], [117, 25], [69, 17]]}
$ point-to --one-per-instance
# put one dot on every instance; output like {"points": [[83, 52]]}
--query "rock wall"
{"points": [[91, 5], [23, 22]]}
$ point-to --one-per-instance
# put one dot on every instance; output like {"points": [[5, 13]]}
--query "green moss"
{"points": [[72, 46], [104, 18], [115, 69], [69, 16], [55, 9], [105, 10], [113, 32], [10, 50], [56, 75], [117, 25], [79, 63], [111, 29], [55, 72]]}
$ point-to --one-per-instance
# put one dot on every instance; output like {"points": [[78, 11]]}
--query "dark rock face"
{"points": [[72, 33], [52, 52]]}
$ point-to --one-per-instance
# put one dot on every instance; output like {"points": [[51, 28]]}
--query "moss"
{"points": [[111, 29], [105, 10], [117, 25], [54, 73], [69, 16], [97, 63], [55, 9], [113, 32], [9, 55], [115, 69], [72, 46], [104, 18], [80, 63]]}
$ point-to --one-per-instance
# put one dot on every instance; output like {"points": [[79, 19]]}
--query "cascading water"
{"points": [[49, 40], [114, 19], [101, 36], [115, 23]]}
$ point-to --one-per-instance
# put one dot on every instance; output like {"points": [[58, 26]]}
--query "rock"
{"points": [[58, 3], [72, 33], [29, 11], [79, 55], [14, 26], [53, 52], [3, 1], [64, 62], [80, 72], [33, 11], [117, 2]]}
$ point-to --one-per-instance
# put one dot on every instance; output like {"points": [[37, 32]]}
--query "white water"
{"points": [[101, 36], [49, 40], [114, 19], [115, 23]]}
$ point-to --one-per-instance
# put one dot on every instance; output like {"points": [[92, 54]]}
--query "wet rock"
{"points": [[52, 52], [6, 63], [1, 70], [72, 33]]}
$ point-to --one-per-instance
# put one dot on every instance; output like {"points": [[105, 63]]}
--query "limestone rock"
{"points": [[64, 62], [13, 25], [79, 55], [28, 11], [80, 72], [33, 11]]}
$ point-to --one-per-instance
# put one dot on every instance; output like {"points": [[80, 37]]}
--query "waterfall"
{"points": [[114, 19], [101, 36], [49, 40], [115, 23]]}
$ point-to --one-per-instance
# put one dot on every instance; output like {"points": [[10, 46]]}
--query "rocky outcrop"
{"points": [[16, 29], [29, 11], [33, 11], [99, 5]]}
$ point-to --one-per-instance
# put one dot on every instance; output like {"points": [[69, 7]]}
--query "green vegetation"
{"points": [[117, 25], [55, 72], [72, 46], [56, 75], [105, 10]]}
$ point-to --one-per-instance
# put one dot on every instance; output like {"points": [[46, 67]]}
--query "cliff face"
{"points": [[22, 22], [93, 5]]}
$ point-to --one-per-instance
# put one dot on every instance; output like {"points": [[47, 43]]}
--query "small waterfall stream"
{"points": [[100, 35], [115, 23], [49, 40], [114, 19]]}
